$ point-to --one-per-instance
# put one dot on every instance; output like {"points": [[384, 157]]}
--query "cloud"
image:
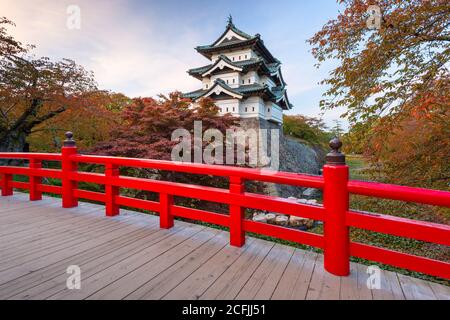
{"points": [[127, 55], [145, 48]]}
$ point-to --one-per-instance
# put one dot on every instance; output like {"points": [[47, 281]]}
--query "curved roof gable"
{"points": [[231, 32], [221, 63], [218, 88]]}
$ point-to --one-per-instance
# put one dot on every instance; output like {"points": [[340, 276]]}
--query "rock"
{"points": [[309, 223], [302, 200], [294, 156], [300, 222], [282, 220], [270, 217], [311, 193], [313, 202], [295, 221], [260, 218], [293, 198]]}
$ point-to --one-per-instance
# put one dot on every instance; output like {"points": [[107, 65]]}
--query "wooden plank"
{"points": [[441, 292], [323, 285], [390, 288], [146, 272], [229, 284], [108, 275], [23, 224], [94, 230], [91, 264], [416, 289], [295, 281], [264, 280], [42, 238], [200, 280], [40, 281], [164, 282], [128, 256], [354, 287], [40, 261]]}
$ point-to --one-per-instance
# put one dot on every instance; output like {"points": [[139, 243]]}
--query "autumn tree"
{"points": [[394, 82], [34, 90], [92, 122], [146, 132], [386, 70], [148, 123]]}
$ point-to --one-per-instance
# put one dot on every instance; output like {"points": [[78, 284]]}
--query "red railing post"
{"points": [[6, 182], [237, 214], [335, 201], [112, 209], [35, 181], [165, 211], [68, 166]]}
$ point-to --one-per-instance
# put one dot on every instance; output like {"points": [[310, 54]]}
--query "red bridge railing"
{"points": [[335, 212]]}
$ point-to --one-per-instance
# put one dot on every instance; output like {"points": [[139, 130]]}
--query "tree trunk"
{"points": [[14, 141]]}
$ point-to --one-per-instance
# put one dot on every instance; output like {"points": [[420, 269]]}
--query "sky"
{"points": [[143, 48]]}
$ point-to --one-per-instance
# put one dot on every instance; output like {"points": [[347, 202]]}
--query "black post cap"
{"points": [[335, 156], [69, 142]]}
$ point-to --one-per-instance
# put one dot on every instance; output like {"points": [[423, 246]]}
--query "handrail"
{"points": [[335, 211], [295, 179], [403, 193]]}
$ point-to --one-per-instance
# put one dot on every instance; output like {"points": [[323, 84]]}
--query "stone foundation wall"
{"points": [[294, 157]]}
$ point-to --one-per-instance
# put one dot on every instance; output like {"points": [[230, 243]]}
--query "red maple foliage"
{"points": [[147, 126]]}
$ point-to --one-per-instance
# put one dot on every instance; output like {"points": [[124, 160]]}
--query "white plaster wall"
{"points": [[249, 78], [229, 106], [231, 79], [239, 55], [206, 83], [252, 107], [273, 112]]}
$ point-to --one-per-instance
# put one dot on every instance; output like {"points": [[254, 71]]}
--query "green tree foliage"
{"points": [[309, 129]]}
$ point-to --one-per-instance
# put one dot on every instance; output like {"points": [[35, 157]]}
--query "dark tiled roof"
{"points": [[250, 41], [244, 64], [274, 94]]}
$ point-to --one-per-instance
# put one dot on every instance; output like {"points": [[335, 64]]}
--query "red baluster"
{"points": [[68, 167], [165, 214], [35, 181], [237, 214], [335, 201], [112, 209]]}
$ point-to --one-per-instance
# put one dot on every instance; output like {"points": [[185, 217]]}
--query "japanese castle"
{"points": [[243, 78]]}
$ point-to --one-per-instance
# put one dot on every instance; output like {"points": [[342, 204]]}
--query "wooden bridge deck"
{"points": [[130, 257]]}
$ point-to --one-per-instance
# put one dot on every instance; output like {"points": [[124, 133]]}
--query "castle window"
{"points": [[249, 80], [206, 86], [253, 109], [245, 109], [227, 81], [245, 56], [227, 109], [233, 109], [233, 80], [233, 58], [243, 81], [268, 109], [239, 57]]}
